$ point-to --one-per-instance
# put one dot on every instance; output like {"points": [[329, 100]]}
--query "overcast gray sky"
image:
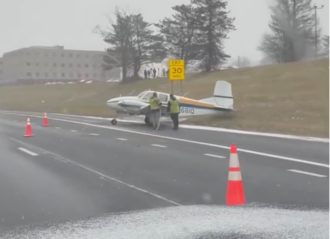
{"points": [[24, 23]]}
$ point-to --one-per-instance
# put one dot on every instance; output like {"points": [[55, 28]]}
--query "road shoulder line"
{"points": [[198, 127], [307, 173], [180, 140], [27, 151]]}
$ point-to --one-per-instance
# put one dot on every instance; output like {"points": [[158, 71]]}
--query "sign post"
{"points": [[176, 72]]}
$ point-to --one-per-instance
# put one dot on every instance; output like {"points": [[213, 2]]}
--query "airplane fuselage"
{"points": [[132, 105], [222, 101]]}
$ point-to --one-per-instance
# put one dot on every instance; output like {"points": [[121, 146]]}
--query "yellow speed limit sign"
{"points": [[176, 70]]}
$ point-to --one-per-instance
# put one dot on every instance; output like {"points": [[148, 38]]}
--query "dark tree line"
{"points": [[195, 33], [294, 34]]}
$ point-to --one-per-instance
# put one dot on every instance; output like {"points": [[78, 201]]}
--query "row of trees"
{"points": [[195, 33], [295, 32]]}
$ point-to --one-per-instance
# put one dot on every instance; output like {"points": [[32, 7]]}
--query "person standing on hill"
{"points": [[145, 74]]}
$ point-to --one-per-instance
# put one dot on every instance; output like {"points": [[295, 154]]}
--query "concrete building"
{"points": [[51, 64]]}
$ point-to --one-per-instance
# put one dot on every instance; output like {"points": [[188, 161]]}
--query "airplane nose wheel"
{"points": [[114, 122]]}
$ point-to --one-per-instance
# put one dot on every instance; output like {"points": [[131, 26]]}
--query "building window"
{"points": [[28, 63], [54, 74], [86, 75], [54, 64], [79, 75], [62, 64], [29, 74], [63, 75], [37, 64], [95, 75], [71, 75], [78, 65], [37, 74], [70, 64], [46, 74], [86, 65]]}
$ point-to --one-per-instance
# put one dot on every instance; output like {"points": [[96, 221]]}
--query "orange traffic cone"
{"points": [[235, 193], [45, 120], [28, 130]]}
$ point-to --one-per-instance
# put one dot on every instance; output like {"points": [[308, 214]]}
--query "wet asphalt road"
{"points": [[74, 170]]}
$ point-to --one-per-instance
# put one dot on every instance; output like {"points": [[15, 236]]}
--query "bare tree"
{"points": [[146, 46], [178, 32], [118, 37], [213, 25], [325, 41], [132, 43], [292, 36]]}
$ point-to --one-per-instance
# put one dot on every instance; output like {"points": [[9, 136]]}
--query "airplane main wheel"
{"points": [[114, 122]]}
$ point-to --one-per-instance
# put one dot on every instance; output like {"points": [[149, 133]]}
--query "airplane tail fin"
{"points": [[223, 96]]}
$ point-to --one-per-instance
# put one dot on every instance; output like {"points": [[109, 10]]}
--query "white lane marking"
{"points": [[122, 139], [94, 134], [215, 156], [28, 152], [185, 140], [55, 156], [159, 146], [106, 176], [73, 130], [315, 139], [307, 173], [57, 128]]}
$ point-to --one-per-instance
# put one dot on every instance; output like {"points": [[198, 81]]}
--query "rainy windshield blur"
{"points": [[178, 113]]}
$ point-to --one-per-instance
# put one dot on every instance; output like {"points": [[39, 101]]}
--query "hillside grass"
{"points": [[287, 98]]}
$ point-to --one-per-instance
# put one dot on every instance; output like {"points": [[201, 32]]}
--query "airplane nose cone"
{"points": [[110, 102], [113, 103]]}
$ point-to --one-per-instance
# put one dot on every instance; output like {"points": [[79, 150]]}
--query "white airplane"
{"points": [[222, 101]]}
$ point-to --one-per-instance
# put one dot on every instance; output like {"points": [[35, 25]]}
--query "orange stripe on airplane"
{"points": [[195, 102]]}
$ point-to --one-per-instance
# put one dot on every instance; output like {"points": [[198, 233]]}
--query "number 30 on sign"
{"points": [[176, 70]]}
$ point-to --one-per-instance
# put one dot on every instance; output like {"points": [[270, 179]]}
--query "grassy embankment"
{"points": [[289, 98]]}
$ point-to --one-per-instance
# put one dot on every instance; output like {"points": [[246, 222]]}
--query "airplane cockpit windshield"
{"points": [[145, 95], [141, 94]]}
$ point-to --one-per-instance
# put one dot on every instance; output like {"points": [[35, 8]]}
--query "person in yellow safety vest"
{"points": [[155, 110], [173, 107]]}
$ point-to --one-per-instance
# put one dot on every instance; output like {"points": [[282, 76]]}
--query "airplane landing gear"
{"points": [[114, 122]]}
